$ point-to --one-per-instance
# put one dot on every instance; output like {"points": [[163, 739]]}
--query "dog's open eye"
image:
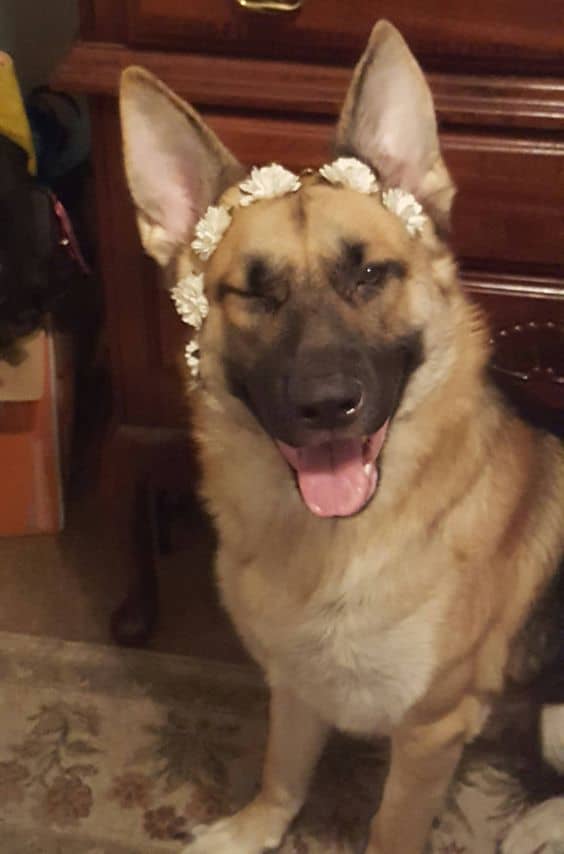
{"points": [[377, 272]]}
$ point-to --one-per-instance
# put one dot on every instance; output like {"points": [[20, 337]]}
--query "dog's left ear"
{"points": [[388, 120]]}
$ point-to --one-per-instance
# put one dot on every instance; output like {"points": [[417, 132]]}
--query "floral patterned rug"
{"points": [[105, 751]]}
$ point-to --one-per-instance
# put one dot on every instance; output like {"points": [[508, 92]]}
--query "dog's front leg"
{"points": [[423, 761], [296, 738]]}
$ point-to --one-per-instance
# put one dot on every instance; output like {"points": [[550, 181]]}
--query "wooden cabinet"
{"points": [[513, 34], [271, 85]]}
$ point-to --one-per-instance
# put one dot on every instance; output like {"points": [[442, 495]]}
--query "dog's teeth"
{"points": [[367, 467]]}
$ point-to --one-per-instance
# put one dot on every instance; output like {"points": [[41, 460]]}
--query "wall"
{"points": [[37, 33]]}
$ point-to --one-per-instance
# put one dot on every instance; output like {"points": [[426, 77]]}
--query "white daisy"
{"points": [[351, 173], [192, 356], [406, 206], [190, 300], [268, 182], [209, 231]]}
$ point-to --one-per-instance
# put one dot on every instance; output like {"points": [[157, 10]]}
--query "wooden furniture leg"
{"points": [[146, 475], [133, 622]]}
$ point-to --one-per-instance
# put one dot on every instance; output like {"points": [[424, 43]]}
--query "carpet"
{"points": [[106, 751]]}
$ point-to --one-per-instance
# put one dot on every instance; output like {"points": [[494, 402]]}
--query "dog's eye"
{"points": [[377, 272], [265, 303]]}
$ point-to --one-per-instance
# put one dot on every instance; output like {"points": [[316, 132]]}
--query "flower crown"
{"points": [[270, 182]]}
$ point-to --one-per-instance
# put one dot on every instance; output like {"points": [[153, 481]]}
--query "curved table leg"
{"points": [[135, 619]]}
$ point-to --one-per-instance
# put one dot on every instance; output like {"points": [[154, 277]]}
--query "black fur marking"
{"points": [[543, 639], [265, 283], [512, 736], [224, 290], [298, 211], [266, 280]]}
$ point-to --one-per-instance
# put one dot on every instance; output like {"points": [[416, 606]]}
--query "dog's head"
{"points": [[319, 300]]}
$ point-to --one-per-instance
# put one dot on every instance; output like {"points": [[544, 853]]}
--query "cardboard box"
{"points": [[36, 404]]}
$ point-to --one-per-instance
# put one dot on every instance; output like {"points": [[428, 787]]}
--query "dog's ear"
{"points": [[175, 164], [388, 120]]}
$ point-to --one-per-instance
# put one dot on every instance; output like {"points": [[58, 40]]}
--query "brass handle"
{"points": [[271, 5]]}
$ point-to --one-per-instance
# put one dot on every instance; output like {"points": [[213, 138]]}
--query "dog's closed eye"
{"points": [[254, 301], [267, 287]]}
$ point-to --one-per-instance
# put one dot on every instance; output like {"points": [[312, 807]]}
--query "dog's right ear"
{"points": [[175, 165]]}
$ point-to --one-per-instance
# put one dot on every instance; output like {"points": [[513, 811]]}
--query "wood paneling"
{"points": [[508, 212], [483, 101], [128, 277], [484, 35], [103, 20]]}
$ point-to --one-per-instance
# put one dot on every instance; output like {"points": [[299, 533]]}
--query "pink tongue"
{"points": [[332, 478], [337, 478]]}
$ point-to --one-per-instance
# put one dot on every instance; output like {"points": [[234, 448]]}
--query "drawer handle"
{"points": [[271, 5]]}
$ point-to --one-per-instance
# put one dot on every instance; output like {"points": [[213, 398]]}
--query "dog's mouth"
{"points": [[338, 477]]}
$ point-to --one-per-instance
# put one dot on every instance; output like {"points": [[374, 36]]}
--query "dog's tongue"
{"points": [[336, 478], [332, 478]]}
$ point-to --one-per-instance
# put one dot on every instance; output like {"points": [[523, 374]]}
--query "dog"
{"points": [[387, 525]]}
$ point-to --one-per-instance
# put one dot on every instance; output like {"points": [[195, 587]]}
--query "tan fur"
{"points": [[400, 620]]}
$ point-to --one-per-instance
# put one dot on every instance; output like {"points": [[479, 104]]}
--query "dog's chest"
{"points": [[345, 656]]}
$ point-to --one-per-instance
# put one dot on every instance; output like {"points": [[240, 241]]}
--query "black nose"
{"points": [[327, 402]]}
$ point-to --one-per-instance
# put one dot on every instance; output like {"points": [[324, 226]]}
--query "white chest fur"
{"points": [[344, 652], [364, 677]]}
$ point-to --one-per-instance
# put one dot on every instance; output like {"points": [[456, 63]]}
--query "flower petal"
{"points": [[209, 231], [268, 182], [190, 300], [406, 207], [352, 173]]}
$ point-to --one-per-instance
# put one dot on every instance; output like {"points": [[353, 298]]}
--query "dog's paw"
{"points": [[540, 831], [221, 838], [247, 832]]}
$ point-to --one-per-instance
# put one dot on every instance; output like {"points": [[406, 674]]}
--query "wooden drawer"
{"points": [[511, 34], [508, 213]]}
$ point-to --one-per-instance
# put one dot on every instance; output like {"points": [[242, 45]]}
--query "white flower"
{"points": [[209, 231], [351, 173], [192, 356], [190, 300], [406, 206], [268, 182]]}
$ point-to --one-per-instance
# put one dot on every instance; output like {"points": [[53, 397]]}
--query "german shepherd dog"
{"points": [[387, 525]]}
